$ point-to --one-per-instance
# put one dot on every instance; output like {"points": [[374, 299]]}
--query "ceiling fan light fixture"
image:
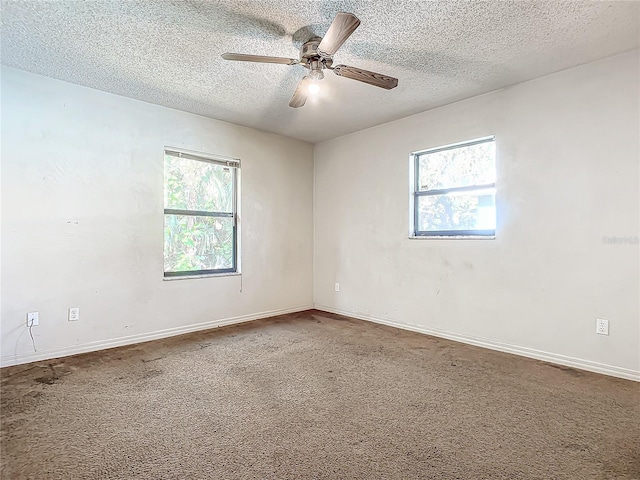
{"points": [[315, 75], [313, 87]]}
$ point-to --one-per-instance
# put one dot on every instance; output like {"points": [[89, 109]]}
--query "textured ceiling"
{"points": [[168, 52]]}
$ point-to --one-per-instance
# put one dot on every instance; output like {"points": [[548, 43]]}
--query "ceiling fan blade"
{"points": [[241, 57], [300, 95], [341, 28], [372, 78]]}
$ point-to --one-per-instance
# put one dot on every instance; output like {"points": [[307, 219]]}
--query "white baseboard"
{"points": [[588, 365], [143, 337]]}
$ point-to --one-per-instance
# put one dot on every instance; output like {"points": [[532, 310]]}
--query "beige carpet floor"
{"points": [[314, 396]]}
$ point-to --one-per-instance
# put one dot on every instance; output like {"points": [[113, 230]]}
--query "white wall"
{"points": [[82, 220], [568, 156]]}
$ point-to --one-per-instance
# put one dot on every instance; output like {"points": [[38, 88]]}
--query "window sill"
{"points": [[452, 237], [206, 275]]}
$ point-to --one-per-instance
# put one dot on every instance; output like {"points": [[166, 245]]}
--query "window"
{"points": [[200, 214], [454, 190]]}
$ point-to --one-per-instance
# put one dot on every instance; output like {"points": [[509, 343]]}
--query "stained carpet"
{"points": [[314, 396]]}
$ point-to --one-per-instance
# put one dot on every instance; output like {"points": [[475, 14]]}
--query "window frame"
{"points": [[417, 192], [229, 162]]}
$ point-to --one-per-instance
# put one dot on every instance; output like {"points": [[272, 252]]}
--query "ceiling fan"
{"points": [[317, 54]]}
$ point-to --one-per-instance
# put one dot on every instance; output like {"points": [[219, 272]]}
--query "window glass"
{"points": [[454, 191], [200, 221], [458, 167]]}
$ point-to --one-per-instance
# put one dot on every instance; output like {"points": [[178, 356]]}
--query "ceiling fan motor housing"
{"points": [[311, 58]]}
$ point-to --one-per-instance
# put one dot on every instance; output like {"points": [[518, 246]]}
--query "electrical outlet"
{"points": [[74, 314], [337, 287], [32, 319], [602, 326]]}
